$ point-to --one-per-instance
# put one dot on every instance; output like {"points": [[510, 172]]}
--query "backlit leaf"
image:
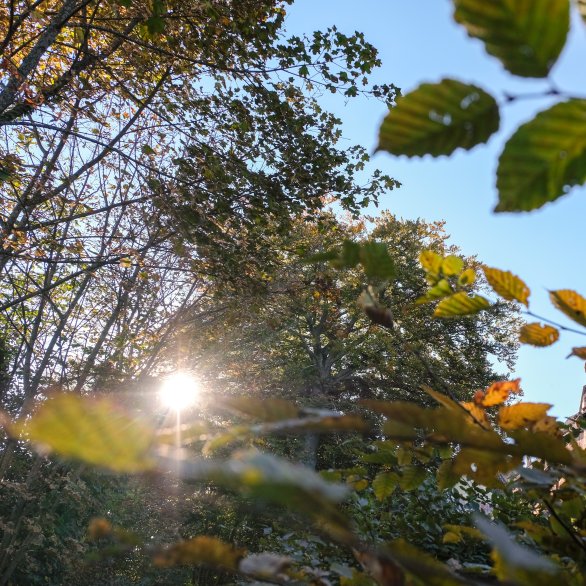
{"points": [[442, 289], [264, 409], [94, 431], [544, 158], [200, 550], [570, 303], [507, 285], [452, 265], [467, 277], [522, 414], [460, 304], [499, 392], [384, 484], [376, 260], [538, 335], [431, 261], [477, 413], [437, 119], [527, 36]]}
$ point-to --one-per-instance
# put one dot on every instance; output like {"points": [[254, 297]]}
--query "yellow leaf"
{"points": [[507, 285], [200, 550], [451, 537], [547, 425], [477, 413], [467, 277], [499, 392], [522, 414], [92, 430], [431, 261], [579, 352], [452, 265], [538, 335], [460, 304], [570, 303]]}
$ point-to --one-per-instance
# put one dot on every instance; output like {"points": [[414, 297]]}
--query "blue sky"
{"points": [[419, 42]]}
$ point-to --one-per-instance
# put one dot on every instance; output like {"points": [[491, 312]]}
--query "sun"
{"points": [[179, 391]]}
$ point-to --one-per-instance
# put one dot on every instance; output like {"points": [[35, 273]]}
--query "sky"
{"points": [[419, 42]]}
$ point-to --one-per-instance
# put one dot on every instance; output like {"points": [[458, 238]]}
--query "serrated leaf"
{"points": [[452, 265], [460, 304], [437, 119], [570, 303], [507, 285], [544, 158], [579, 352], [468, 277], [442, 289], [538, 335], [522, 414], [205, 550], [94, 431], [527, 36]]}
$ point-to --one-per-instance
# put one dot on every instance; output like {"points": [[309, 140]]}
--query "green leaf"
{"points": [[544, 158], [442, 289], [94, 431], [527, 36], [452, 265], [460, 304], [507, 285], [437, 119], [570, 303], [376, 260], [539, 335], [411, 477], [384, 484], [147, 150]]}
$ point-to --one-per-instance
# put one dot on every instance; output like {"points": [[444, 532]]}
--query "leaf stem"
{"points": [[554, 323]]}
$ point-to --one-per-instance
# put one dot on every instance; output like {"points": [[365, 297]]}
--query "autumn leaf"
{"points": [[570, 303], [452, 265], [579, 352], [522, 414], [538, 335], [507, 285], [200, 550], [477, 413], [499, 392], [460, 304]]}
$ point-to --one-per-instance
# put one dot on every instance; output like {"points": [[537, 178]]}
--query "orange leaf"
{"points": [[477, 413], [499, 392], [579, 352], [538, 335], [522, 414], [570, 303]]}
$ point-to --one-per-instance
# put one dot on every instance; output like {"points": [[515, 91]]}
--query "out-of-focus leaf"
{"points": [[516, 563], [200, 550], [442, 289], [526, 36], [570, 303], [381, 567], [423, 566], [384, 484], [539, 335], [500, 391], [582, 8], [431, 261], [460, 304], [484, 467], [544, 158], [95, 431], [436, 119], [264, 565], [446, 476], [522, 414], [507, 285], [579, 352], [452, 265], [411, 477], [263, 409], [376, 260], [477, 413], [468, 277]]}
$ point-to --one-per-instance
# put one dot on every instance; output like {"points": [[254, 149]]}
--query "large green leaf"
{"points": [[436, 119], [526, 35], [544, 158], [95, 431]]}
